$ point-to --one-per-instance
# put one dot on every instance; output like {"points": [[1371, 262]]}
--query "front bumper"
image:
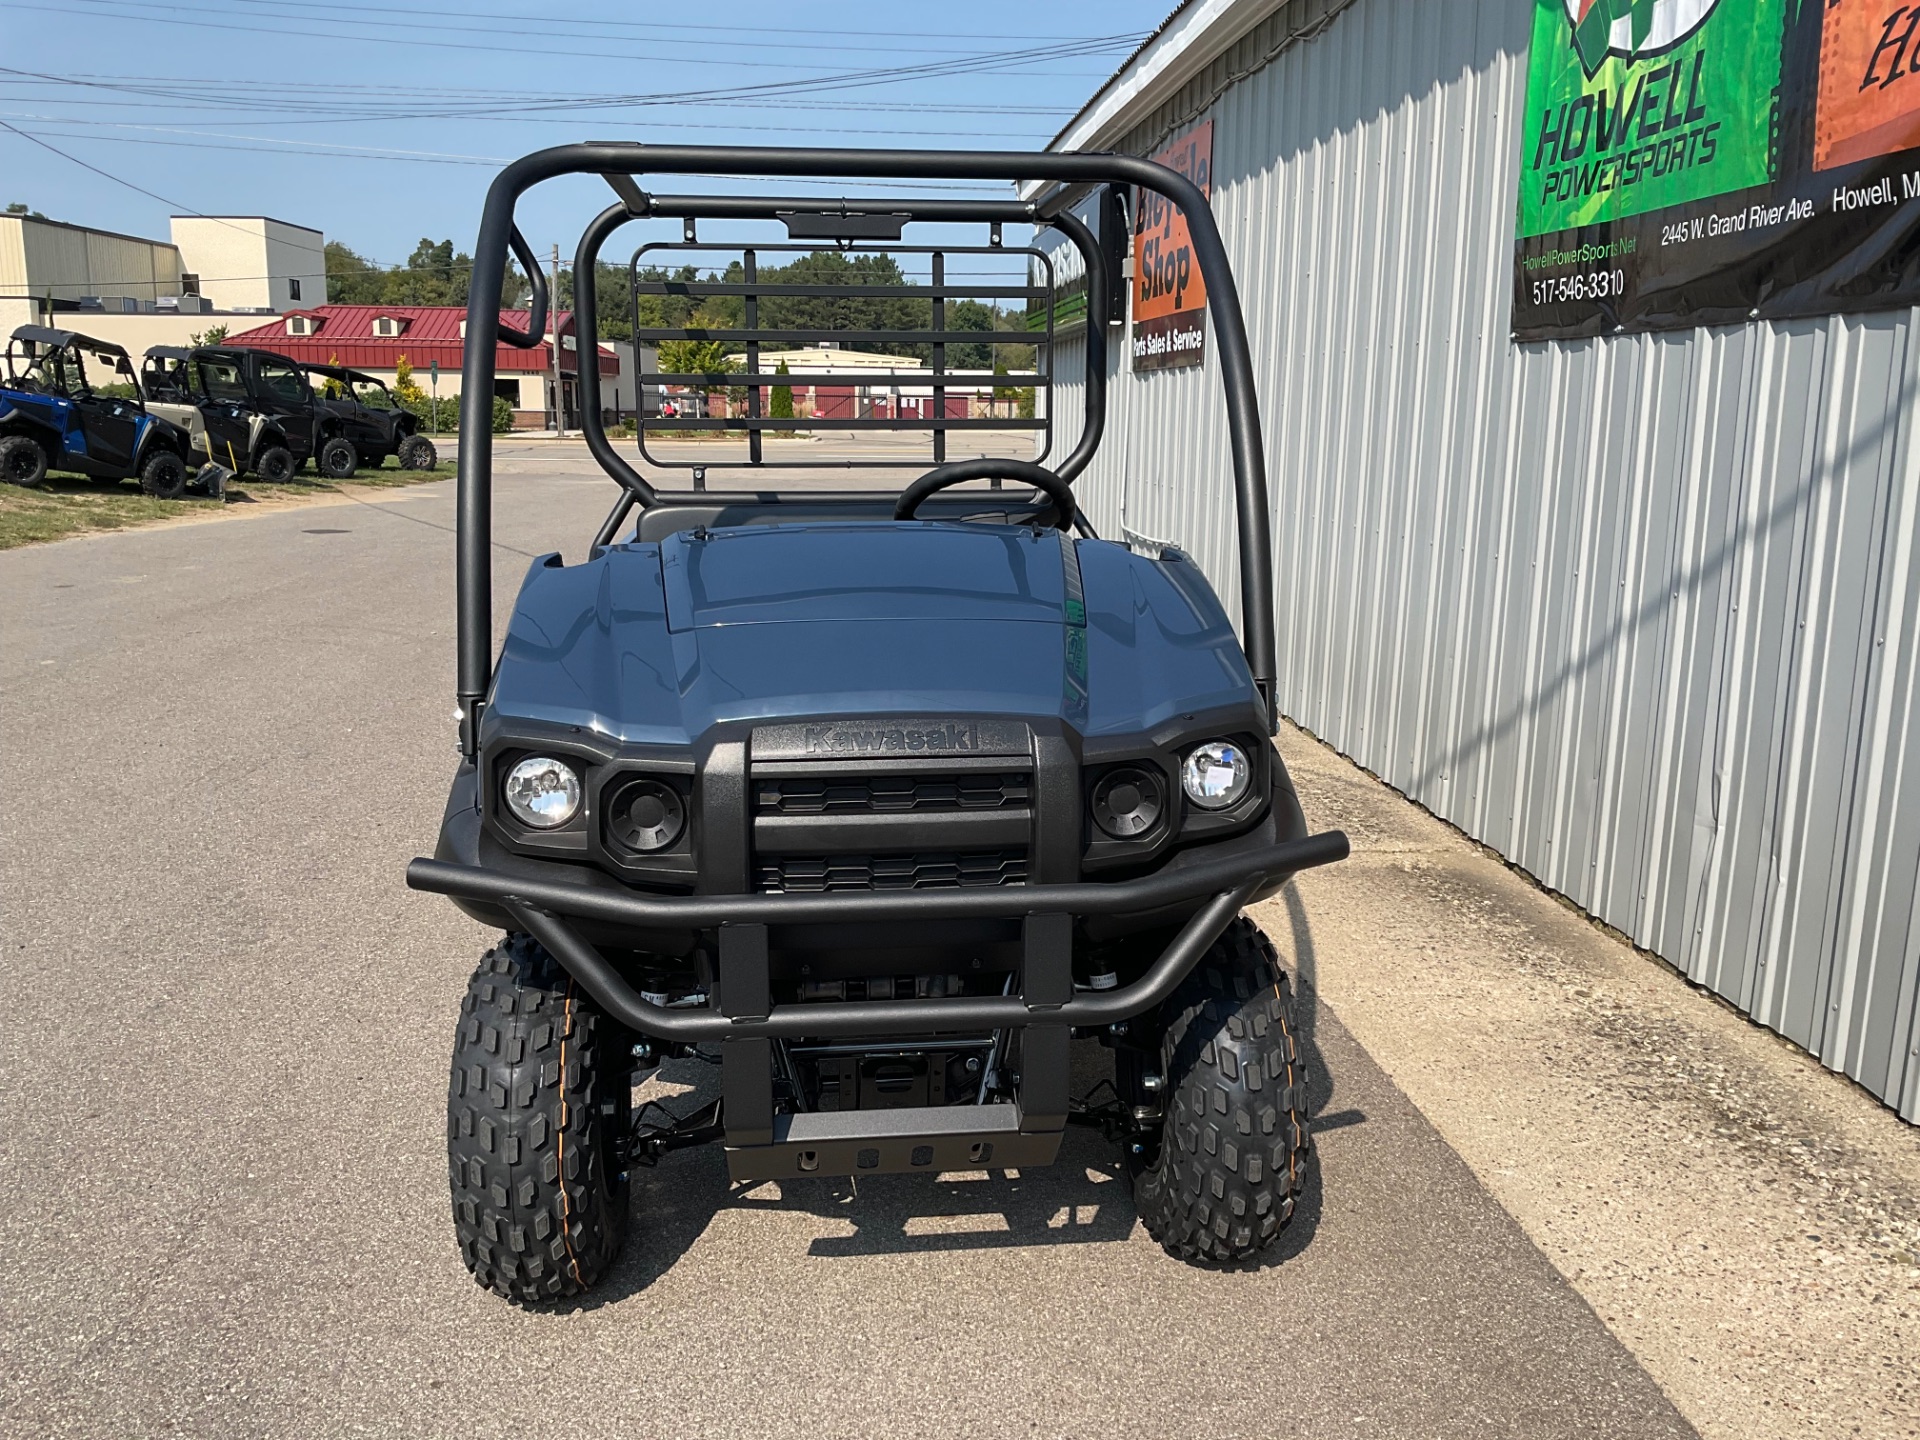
{"points": [[569, 915], [547, 911]]}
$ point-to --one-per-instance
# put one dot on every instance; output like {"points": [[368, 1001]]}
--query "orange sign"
{"points": [[1869, 82], [1169, 294]]}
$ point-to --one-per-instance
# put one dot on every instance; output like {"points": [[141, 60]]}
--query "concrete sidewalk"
{"points": [[1747, 1222]]}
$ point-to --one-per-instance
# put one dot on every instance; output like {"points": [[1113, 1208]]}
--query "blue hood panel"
{"points": [[656, 643], [775, 574]]}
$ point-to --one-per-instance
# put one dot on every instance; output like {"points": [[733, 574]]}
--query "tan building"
{"points": [[901, 386], [48, 259], [251, 262], [156, 291]]}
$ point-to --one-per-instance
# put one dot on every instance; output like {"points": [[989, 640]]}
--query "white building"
{"points": [[253, 262], [142, 292]]}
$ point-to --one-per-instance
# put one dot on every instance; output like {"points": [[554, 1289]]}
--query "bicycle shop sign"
{"points": [[1169, 296]]}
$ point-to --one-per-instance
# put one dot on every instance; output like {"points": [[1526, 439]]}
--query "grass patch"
{"points": [[386, 476], [65, 506]]}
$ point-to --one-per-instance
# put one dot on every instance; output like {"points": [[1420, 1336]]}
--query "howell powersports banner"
{"points": [[1169, 295], [1704, 162]]}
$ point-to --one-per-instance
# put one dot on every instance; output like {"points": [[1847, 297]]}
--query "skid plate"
{"points": [[903, 1141]]}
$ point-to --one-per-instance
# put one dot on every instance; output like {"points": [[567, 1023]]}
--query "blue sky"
{"points": [[380, 124]]}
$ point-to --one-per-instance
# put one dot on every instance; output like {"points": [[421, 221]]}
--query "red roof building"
{"points": [[374, 338]]}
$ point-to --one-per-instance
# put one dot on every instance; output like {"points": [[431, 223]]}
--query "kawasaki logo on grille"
{"points": [[890, 737], [837, 739]]}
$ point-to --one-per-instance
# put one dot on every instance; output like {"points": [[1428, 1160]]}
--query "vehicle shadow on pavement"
{"points": [[1084, 1198]]}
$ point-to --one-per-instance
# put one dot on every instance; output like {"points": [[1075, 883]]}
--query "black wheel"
{"points": [[164, 476], [275, 464], [418, 453], [536, 1112], [1231, 1161], [337, 460], [22, 461]]}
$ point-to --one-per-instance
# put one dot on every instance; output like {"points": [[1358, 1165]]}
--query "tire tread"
{"points": [[1233, 1155], [537, 1209]]}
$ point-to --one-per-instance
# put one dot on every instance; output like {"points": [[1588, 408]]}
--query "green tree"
{"points": [[780, 403], [969, 315], [661, 311], [850, 312], [352, 279], [405, 388], [212, 335], [698, 357], [1018, 355], [612, 298], [1020, 395], [435, 274], [444, 415], [502, 415]]}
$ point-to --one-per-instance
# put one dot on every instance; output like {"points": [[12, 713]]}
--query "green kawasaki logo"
{"points": [[1632, 29]]}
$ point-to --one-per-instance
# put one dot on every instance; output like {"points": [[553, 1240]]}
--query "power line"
{"points": [[220, 96], [139, 189], [385, 152], [490, 162], [813, 188], [970, 64], [649, 29], [651, 26]]}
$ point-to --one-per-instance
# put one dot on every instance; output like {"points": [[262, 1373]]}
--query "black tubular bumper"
{"points": [[744, 1009]]}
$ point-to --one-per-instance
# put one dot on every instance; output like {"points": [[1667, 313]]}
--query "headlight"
{"points": [[1216, 774], [1126, 803], [646, 815], [542, 792]]}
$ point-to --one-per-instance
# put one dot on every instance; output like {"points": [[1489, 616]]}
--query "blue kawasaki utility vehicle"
{"points": [[52, 417], [878, 798]]}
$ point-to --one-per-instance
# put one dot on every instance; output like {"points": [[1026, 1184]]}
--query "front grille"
{"points": [[816, 874], [889, 794]]}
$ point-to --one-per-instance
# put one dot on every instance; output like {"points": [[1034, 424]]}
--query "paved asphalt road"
{"points": [[223, 1069]]}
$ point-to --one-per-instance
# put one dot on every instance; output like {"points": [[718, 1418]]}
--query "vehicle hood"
{"points": [[657, 643]]}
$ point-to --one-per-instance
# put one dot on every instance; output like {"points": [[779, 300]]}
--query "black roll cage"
{"points": [[621, 163], [345, 374], [33, 344]]}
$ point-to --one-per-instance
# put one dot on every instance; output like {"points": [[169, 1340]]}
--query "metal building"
{"points": [[1642, 613]]}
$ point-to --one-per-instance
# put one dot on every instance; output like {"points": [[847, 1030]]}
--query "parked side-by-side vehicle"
{"points": [[378, 425], [54, 415], [249, 410]]}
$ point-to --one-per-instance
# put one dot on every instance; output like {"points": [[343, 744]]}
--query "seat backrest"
{"points": [[977, 506]]}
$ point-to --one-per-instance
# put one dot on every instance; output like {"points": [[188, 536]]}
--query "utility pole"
{"points": [[559, 390]]}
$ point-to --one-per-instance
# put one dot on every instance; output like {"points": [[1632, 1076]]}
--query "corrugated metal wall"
{"points": [[1641, 613], [68, 262]]}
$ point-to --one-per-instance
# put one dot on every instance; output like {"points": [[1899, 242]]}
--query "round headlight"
{"points": [[1126, 803], [646, 815], [542, 792], [1216, 774]]}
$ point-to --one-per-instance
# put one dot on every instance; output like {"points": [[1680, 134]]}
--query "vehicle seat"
{"points": [[1019, 507]]}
